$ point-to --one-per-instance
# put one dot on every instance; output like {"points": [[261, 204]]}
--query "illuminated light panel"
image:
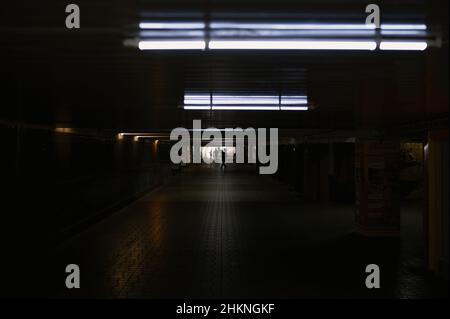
{"points": [[171, 45], [313, 26], [294, 108], [197, 99], [403, 45], [171, 25], [180, 34], [403, 27], [245, 102], [279, 34], [404, 32], [196, 107], [290, 26], [293, 100], [140, 133], [138, 137], [188, 35], [249, 99], [291, 45], [245, 108]]}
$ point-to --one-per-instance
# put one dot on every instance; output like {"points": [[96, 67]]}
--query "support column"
{"points": [[377, 200], [310, 173], [315, 172], [436, 220]]}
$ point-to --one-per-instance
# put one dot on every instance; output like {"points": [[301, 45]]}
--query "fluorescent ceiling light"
{"points": [[314, 26], [196, 107], [291, 45], [275, 26], [294, 108], [180, 34], [404, 32], [197, 99], [140, 133], [249, 99], [246, 108], [171, 25], [172, 45], [245, 100], [264, 36], [402, 45], [234, 33], [294, 100], [235, 102], [403, 27], [149, 136], [290, 26]]}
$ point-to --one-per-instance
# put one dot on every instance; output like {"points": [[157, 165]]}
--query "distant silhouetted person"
{"points": [[223, 159]]}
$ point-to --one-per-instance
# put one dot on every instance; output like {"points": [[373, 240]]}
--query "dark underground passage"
{"points": [[336, 186]]}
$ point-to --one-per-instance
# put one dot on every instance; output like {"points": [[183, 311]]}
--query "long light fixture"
{"points": [[294, 99], [403, 27], [313, 26], [197, 107], [256, 99], [288, 26], [205, 99], [236, 102], [171, 45], [294, 108], [134, 134], [245, 108], [197, 99], [291, 45], [244, 100], [229, 35], [403, 45], [138, 137], [172, 34], [166, 25], [417, 33], [171, 25]]}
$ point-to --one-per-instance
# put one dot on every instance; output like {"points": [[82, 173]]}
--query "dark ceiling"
{"points": [[87, 78]]}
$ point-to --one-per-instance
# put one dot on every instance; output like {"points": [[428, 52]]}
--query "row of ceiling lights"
{"points": [[280, 36]]}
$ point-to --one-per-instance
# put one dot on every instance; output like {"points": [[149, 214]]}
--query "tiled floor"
{"points": [[210, 234]]}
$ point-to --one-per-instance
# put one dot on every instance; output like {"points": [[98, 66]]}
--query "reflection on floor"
{"points": [[214, 234]]}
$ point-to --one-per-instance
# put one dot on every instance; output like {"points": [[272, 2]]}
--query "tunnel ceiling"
{"points": [[87, 78]]}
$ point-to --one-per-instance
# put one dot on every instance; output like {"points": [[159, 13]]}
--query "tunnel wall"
{"points": [[436, 221], [63, 182], [318, 171]]}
